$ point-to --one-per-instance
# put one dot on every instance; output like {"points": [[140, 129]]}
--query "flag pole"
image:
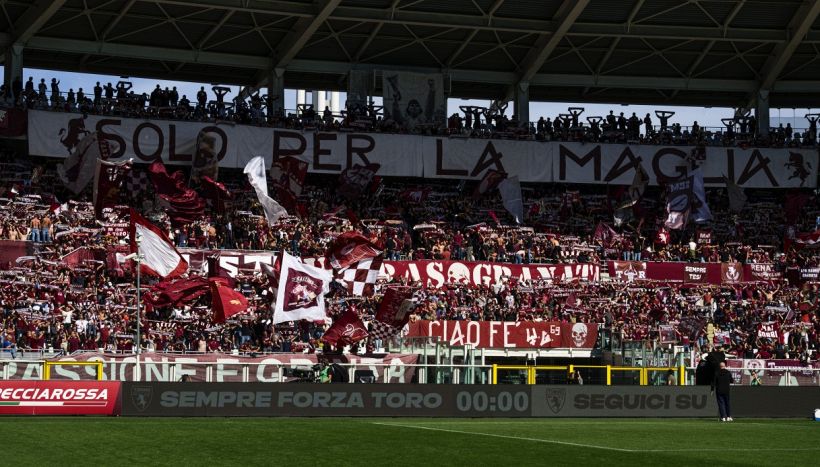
{"points": [[138, 260]]}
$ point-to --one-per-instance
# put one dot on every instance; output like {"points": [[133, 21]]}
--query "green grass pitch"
{"points": [[406, 441]]}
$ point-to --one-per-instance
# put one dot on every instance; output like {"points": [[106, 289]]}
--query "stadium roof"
{"points": [[701, 52]]}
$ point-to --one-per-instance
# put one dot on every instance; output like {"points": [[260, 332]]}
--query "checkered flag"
{"points": [[360, 278], [379, 330], [137, 183]]}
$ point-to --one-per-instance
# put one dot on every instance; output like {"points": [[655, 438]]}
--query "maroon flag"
{"points": [[355, 180], [604, 234], [415, 195], [225, 300], [489, 182], [394, 312], [214, 191], [795, 200], [217, 271], [806, 240], [348, 248], [494, 217], [346, 330], [183, 204], [172, 293], [396, 306], [108, 180]]}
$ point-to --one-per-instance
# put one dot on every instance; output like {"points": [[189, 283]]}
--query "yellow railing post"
{"points": [[531, 375], [495, 374], [609, 375], [644, 377], [682, 373]]}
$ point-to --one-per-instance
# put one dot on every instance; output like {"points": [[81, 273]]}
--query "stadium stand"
{"points": [[744, 277]]}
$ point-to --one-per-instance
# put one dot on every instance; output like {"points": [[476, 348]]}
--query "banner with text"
{"points": [[59, 397], [749, 168], [509, 334], [276, 368], [56, 134], [710, 273], [471, 158], [430, 273]]}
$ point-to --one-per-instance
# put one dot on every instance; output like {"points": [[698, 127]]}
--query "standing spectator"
{"points": [[35, 229], [722, 388], [647, 121], [55, 92], [97, 94], [42, 88]]}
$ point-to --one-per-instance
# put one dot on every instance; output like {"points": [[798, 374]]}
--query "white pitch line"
{"points": [[592, 446], [519, 438], [727, 449]]}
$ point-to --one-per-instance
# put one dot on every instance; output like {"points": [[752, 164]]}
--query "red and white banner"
{"points": [[629, 270], [711, 273], [509, 334], [59, 397], [432, 273], [437, 273], [694, 273], [762, 272], [57, 134], [768, 330], [391, 368], [160, 257]]}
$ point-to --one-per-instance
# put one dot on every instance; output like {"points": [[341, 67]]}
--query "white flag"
{"points": [[258, 180], [510, 189], [301, 291], [160, 258]]}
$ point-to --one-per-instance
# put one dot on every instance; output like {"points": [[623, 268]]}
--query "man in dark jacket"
{"points": [[722, 388], [705, 371]]}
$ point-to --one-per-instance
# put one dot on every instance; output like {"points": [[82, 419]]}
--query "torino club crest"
{"points": [[301, 291]]}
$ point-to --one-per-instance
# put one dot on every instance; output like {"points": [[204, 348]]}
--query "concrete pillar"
{"points": [[334, 102], [762, 113], [276, 91], [521, 103], [358, 88], [13, 66], [319, 101]]}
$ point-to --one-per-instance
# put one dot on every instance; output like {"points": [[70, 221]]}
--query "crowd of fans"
{"points": [[120, 99], [50, 302]]}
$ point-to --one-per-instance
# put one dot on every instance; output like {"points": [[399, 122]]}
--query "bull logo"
{"points": [[71, 137], [555, 399], [141, 397], [801, 169], [732, 274]]}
